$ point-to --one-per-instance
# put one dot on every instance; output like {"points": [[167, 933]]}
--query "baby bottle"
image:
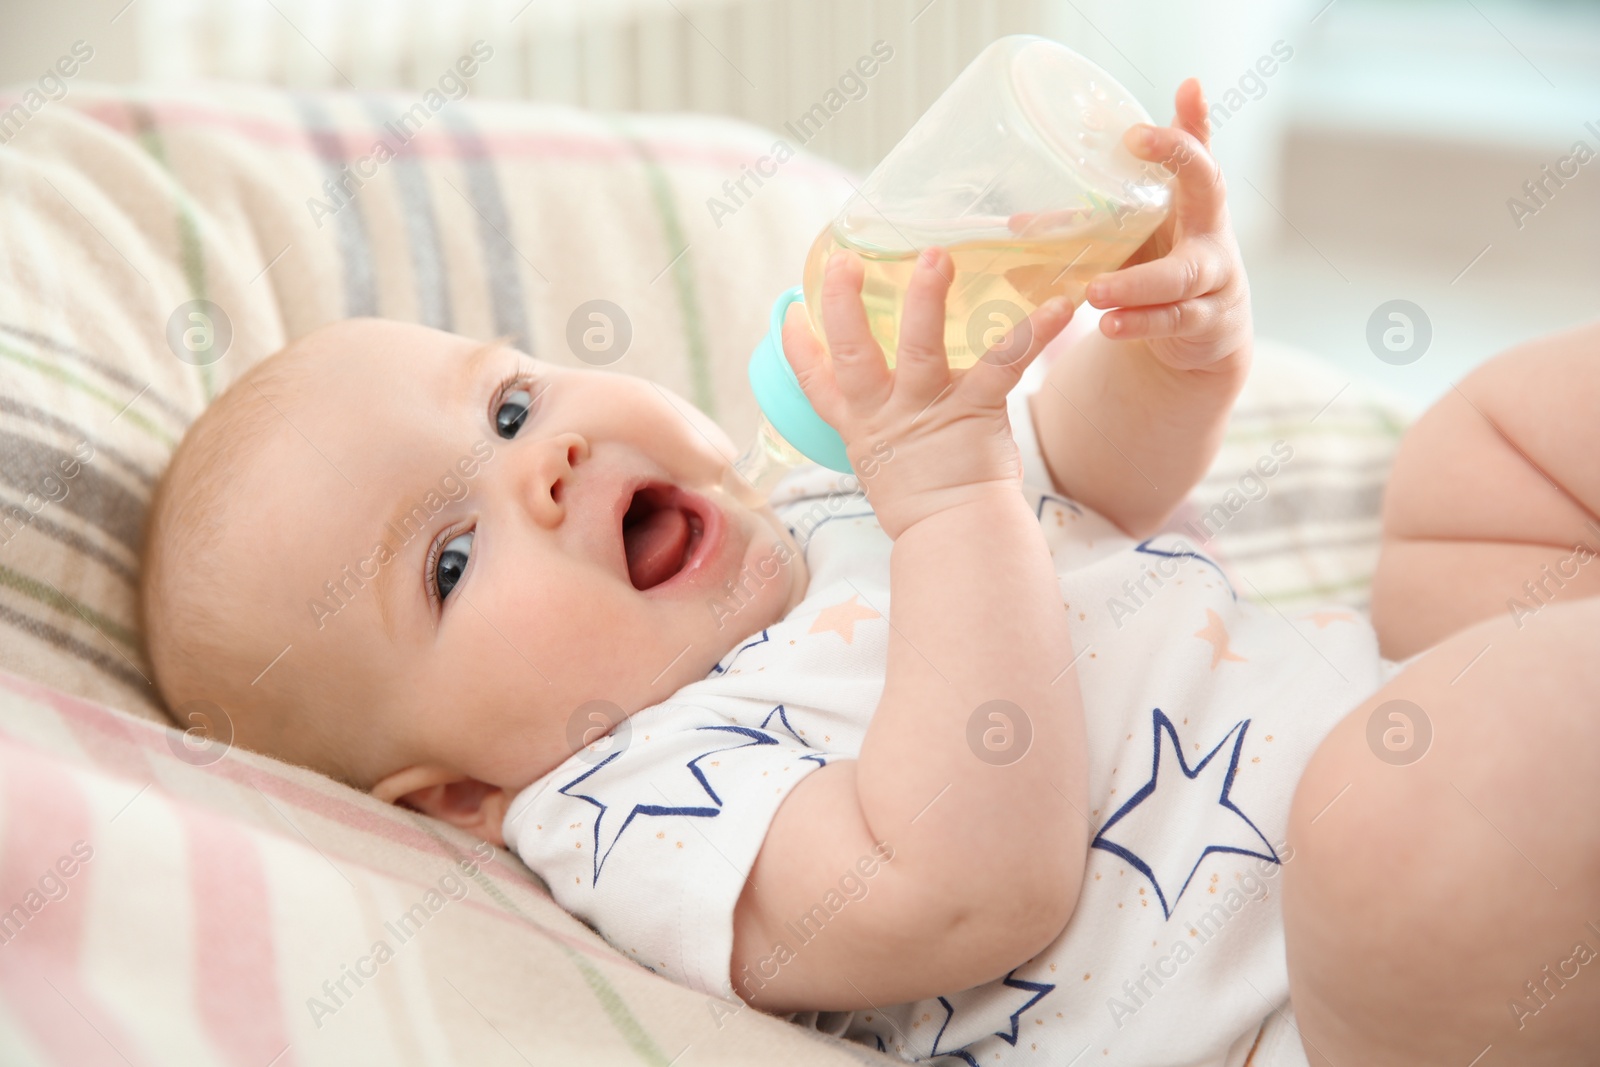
{"points": [[1018, 170]]}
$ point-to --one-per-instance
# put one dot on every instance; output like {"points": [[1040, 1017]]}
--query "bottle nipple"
{"points": [[753, 475]]}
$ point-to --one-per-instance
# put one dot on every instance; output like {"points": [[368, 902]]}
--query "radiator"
{"points": [[767, 61]]}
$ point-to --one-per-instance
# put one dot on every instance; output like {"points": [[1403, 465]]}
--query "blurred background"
{"points": [[1439, 152]]}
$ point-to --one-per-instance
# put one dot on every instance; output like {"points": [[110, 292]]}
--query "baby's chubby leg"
{"points": [[1442, 902], [1493, 501], [1442, 877]]}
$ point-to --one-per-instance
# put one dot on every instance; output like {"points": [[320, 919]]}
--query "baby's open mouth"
{"points": [[660, 532]]}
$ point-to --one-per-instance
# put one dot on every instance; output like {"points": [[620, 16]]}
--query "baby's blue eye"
{"points": [[452, 564], [512, 413]]}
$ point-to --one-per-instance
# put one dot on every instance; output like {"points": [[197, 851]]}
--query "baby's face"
{"points": [[477, 544]]}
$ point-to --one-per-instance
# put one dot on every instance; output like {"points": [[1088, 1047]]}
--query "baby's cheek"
{"points": [[619, 635], [762, 585], [581, 621], [653, 422]]}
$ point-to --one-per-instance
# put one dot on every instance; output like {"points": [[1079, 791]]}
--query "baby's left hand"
{"points": [[1183, 292]]}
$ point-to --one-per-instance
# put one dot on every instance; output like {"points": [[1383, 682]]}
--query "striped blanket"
{"points": [[164, 901]]}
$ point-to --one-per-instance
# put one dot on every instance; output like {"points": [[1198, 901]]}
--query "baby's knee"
{"points": [[1429, 833], [1504, 704]]}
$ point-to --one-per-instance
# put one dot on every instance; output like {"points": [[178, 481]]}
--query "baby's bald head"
{"points": [[198, 590]]}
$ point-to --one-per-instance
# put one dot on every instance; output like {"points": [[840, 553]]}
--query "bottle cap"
{"points": [[782, 400]]}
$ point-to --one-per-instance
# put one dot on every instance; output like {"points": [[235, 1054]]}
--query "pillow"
{"points": [[160, 243], [1291, 505], [231, 908], [183, 903]]}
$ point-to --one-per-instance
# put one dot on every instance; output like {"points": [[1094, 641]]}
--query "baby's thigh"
{"points": [[1444, 859], [1493, 498]]}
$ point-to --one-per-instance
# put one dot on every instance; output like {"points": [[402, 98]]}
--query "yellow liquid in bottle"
{"points": [[996, 281]]}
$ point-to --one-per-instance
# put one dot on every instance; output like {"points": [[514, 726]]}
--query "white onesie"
{"points": [[1202, 709]]}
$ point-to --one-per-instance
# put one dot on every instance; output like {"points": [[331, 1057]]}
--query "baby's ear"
{"points": [[474, 806]]}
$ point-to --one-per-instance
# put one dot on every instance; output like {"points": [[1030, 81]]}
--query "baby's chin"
{"points": [[771, 555], [796, 561]]}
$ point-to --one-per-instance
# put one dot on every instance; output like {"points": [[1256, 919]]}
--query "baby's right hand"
{"points": [[921, 438]]}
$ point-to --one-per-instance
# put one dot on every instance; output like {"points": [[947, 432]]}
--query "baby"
{"points": [[997, 820]]}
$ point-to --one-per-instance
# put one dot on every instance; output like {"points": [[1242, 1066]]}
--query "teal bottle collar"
{"points": [[782, 400]]}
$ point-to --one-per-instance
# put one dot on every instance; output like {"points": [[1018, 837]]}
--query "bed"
{"points": [[222, 907]]}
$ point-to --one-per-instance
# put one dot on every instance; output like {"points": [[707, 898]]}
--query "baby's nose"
{"points": [[549, 473]]}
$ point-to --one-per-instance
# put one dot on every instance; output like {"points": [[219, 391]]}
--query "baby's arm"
{"points": [[1131, 417], [986, 860]]}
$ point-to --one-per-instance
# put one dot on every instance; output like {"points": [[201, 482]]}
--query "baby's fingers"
{"points": [[1002, 366], [859, 368], [810, 362], [1187, 318], [1201, 203], [922, 369], [1193, 269], [1193, 114]]}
